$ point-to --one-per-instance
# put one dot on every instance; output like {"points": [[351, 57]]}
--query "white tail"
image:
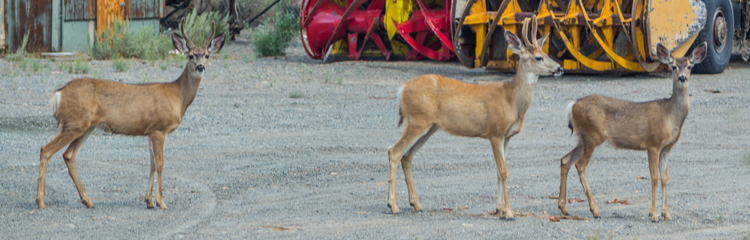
{"points": [[569, 112], [653, 126], [152, 110], [492, 111], [54, 102]]}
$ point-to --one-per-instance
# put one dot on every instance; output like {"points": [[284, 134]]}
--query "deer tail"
{"points": [[569, 110], [54, 102]]}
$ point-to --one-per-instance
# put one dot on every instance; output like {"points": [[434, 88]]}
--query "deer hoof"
{"points": [[596, 217], [87, 203], [417, 207], [510, 219], [161, 205], [394, 208], [40, 204]]}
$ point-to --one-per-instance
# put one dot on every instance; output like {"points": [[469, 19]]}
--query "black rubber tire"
{"points": [[716, 59]]}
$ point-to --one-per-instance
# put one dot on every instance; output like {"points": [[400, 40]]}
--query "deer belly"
{"points": [[463, 127]]}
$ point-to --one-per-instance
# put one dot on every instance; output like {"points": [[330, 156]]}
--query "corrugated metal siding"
{"points": [[143, 8], [34, 16], [79, 9]]}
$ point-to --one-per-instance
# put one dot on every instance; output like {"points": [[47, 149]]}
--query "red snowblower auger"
{"points": [[323, 22], [426, 32], [424, 22]]}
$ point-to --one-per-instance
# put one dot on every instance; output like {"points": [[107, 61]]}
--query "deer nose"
{"points": [[682, 78], [200, 68], [559, 72]]}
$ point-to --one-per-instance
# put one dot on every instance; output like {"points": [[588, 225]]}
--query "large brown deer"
{"points": [[493, 111], [152, 110], [653, 126]]}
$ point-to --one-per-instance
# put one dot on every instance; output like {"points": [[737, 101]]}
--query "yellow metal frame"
{"points": [[603, 29]]}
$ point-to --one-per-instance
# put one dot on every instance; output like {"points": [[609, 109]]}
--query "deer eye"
{"points": [[689, 67], [190, 56], [539, 58], [206, 56], [674, 67]]}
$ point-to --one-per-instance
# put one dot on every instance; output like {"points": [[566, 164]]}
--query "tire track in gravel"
{"points": [[207, 210]]}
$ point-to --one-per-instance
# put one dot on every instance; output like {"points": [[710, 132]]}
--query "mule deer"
{"points": [[653, 126], [152, 110], [493, 111]]}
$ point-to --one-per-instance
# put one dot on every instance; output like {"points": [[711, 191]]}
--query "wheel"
{"points": [[719, 34]]}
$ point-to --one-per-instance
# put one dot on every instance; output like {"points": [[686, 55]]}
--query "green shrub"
{"points": [[296, 94], [146, 43], [198, 26], [164, 65], [120, 65], [80, 66], [37, 64], [273, 37], [102, 48], [20, 55]]}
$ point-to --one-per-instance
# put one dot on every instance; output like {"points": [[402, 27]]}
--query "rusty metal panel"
{"points": [[143, 8], [34, 16], [2, 25], [80, 9]]}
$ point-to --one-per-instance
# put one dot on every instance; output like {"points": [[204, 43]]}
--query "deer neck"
{"points": [[522, 88], [187, 86], [679, 103]]}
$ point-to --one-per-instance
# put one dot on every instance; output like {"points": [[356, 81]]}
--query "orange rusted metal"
{"points": [[107, 11]]}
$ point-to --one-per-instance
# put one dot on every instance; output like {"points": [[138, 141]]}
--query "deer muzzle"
{"points": [[682, 78], [559, 71], [200, 68]]}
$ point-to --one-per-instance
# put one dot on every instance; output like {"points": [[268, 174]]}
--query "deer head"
{"points": [[197, 56], [681, 67], [531, 56]]}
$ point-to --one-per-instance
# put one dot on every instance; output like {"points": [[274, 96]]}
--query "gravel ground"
{"points": [[250, 161]]}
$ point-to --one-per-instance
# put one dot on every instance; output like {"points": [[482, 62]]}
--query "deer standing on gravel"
{"points": [[152, 110], [653, 126], [494, 111]]}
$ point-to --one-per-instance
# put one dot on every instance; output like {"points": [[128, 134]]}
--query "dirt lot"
{"points": [[250, 161]]}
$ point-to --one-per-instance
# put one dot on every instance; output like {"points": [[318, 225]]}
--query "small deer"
{"points": [[493, 111], [653, 126], [152, 110]]}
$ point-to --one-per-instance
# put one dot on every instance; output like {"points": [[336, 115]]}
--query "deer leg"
{"points": [[60, 141], [588, 150], [663, 166], [653, 162], [406, 166], [503, 204], [150, 190], [70, 161], [157, 146], [566, 162], [414, 131]]}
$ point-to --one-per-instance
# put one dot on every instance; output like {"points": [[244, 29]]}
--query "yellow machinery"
{"points": [[585, 35]]}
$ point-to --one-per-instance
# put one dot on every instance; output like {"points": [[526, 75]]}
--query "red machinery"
{"points": [[423, 23], [324, 22]]}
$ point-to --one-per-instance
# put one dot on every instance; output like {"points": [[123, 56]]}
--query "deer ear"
{"points": [[541, 42], [699, 53], [514, 43], [216, 44], [179, 43], [663, 54]]}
